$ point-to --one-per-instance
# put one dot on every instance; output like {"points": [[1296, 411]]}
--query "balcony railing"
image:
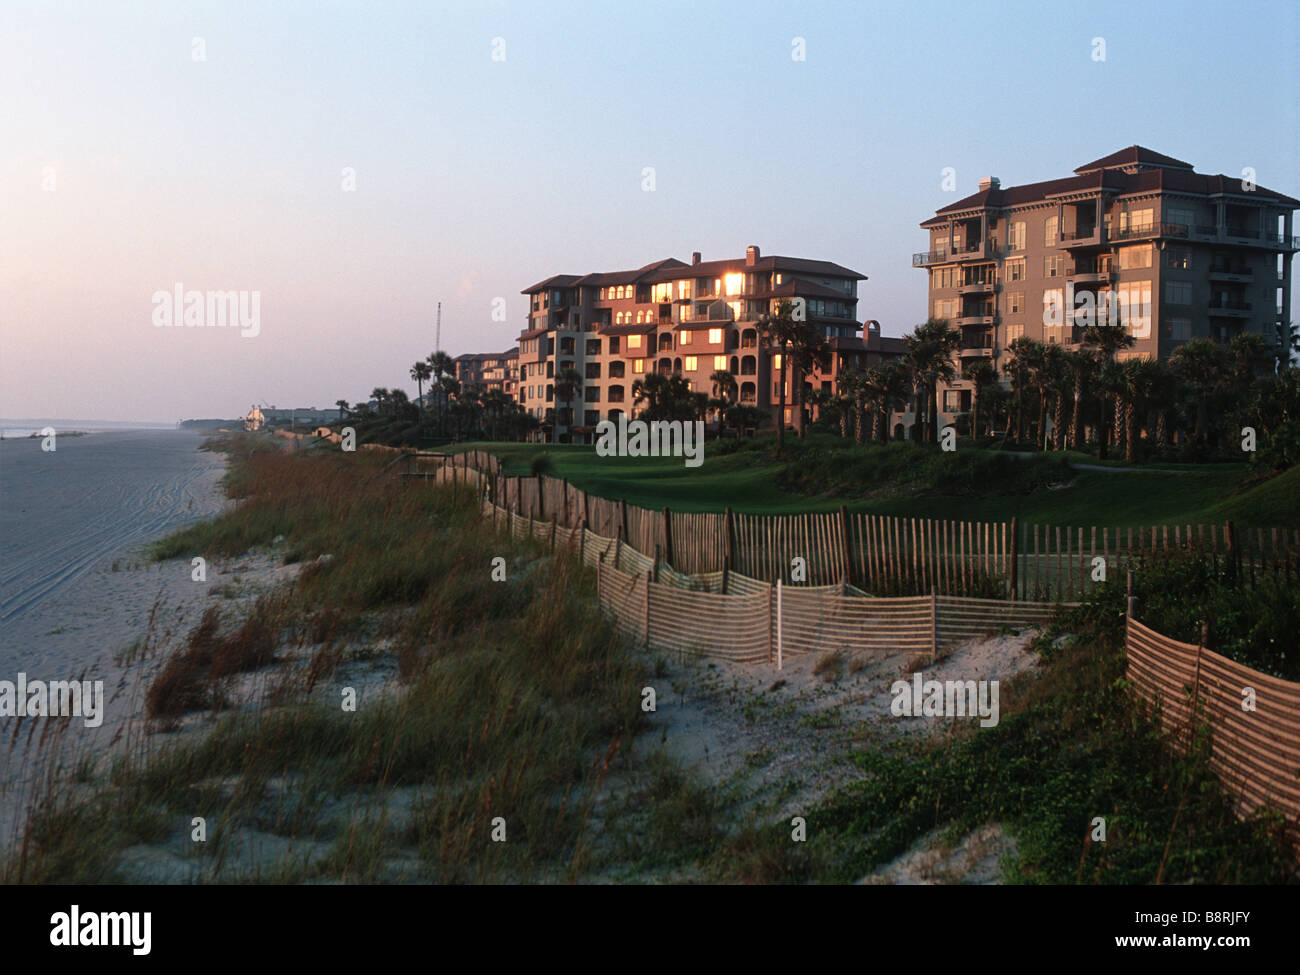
{"points": [[1240, 275], [1230, 306]]}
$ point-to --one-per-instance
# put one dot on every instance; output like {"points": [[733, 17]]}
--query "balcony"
{"points": [[1245, 237], [1230, 309], [976, 251], [1238, 276], [965, 321], [978, 288], [976, 352], [1081, 237], [1090, 274], [1150, 231]]}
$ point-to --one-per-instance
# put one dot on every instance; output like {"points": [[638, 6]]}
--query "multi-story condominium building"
{"points": [[693, 319], [502, 372], [1136, 238], [491, 370], [470, 367]]}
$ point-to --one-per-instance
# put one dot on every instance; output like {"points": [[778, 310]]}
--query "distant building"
{"points": [[254, 420], [491, 370], [304, 416]]}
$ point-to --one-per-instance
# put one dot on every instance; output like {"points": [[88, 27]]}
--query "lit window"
{"points": [[719, 363], [715, 336], [634, 341], [735, 283], [684, 338], [683, 289], [776, 361], [638, 365], [692, 363]]}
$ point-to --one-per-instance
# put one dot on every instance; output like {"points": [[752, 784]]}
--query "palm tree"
{"points": [[982, 375], [808, 351], [1142, 377], [1059, 382], [1201, 364], [1081, 363], [930, 349], [380, 395], [342, 404], [420, 372], [444, 367], [1110, 383], [897, 383], [1108, 341], [1023, 352], [779, 330], [850, 387], [725, 391], [567, 383]]}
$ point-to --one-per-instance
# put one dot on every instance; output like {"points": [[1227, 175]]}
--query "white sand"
{"points": [[76, 588]]}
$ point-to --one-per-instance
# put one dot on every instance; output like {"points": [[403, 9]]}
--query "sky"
{"points": [[354, 164]]}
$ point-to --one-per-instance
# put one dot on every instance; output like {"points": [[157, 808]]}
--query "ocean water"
{"points": [[11, 428]]}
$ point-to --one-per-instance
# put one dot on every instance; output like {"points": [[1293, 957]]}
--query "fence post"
{"points": [[934, 625], [1130, 601], [726, 569], [541, 501], [769, 624], [655, 568], [668, 537], [729, 551], [647, 609], [552, 532], [622, 526], [1196, 680], [844, 545], [778, 624], [1015, 552]]}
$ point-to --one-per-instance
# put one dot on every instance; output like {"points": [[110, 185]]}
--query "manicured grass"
{"points": [[749, 480]]}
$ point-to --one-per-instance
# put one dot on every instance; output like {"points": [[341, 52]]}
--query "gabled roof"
{"points": [[1134, 156]]}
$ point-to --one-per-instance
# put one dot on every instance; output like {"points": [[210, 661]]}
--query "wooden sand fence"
{"points": [[881, 554], [1255, 753]]}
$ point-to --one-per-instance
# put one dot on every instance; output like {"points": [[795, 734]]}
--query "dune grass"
{"points": [[511, 703]]}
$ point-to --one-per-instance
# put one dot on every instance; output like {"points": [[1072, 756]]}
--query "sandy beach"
{"points": [[76, 587]]}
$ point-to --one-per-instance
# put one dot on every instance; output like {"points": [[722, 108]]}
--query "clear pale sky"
{"points": [[476, 177]]}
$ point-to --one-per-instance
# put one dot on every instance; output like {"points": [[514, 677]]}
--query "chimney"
{"points": [[990, 183], [695, 257], [751, 255]]}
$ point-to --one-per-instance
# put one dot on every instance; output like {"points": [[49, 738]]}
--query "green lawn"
{"points": [[747, 481]]}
